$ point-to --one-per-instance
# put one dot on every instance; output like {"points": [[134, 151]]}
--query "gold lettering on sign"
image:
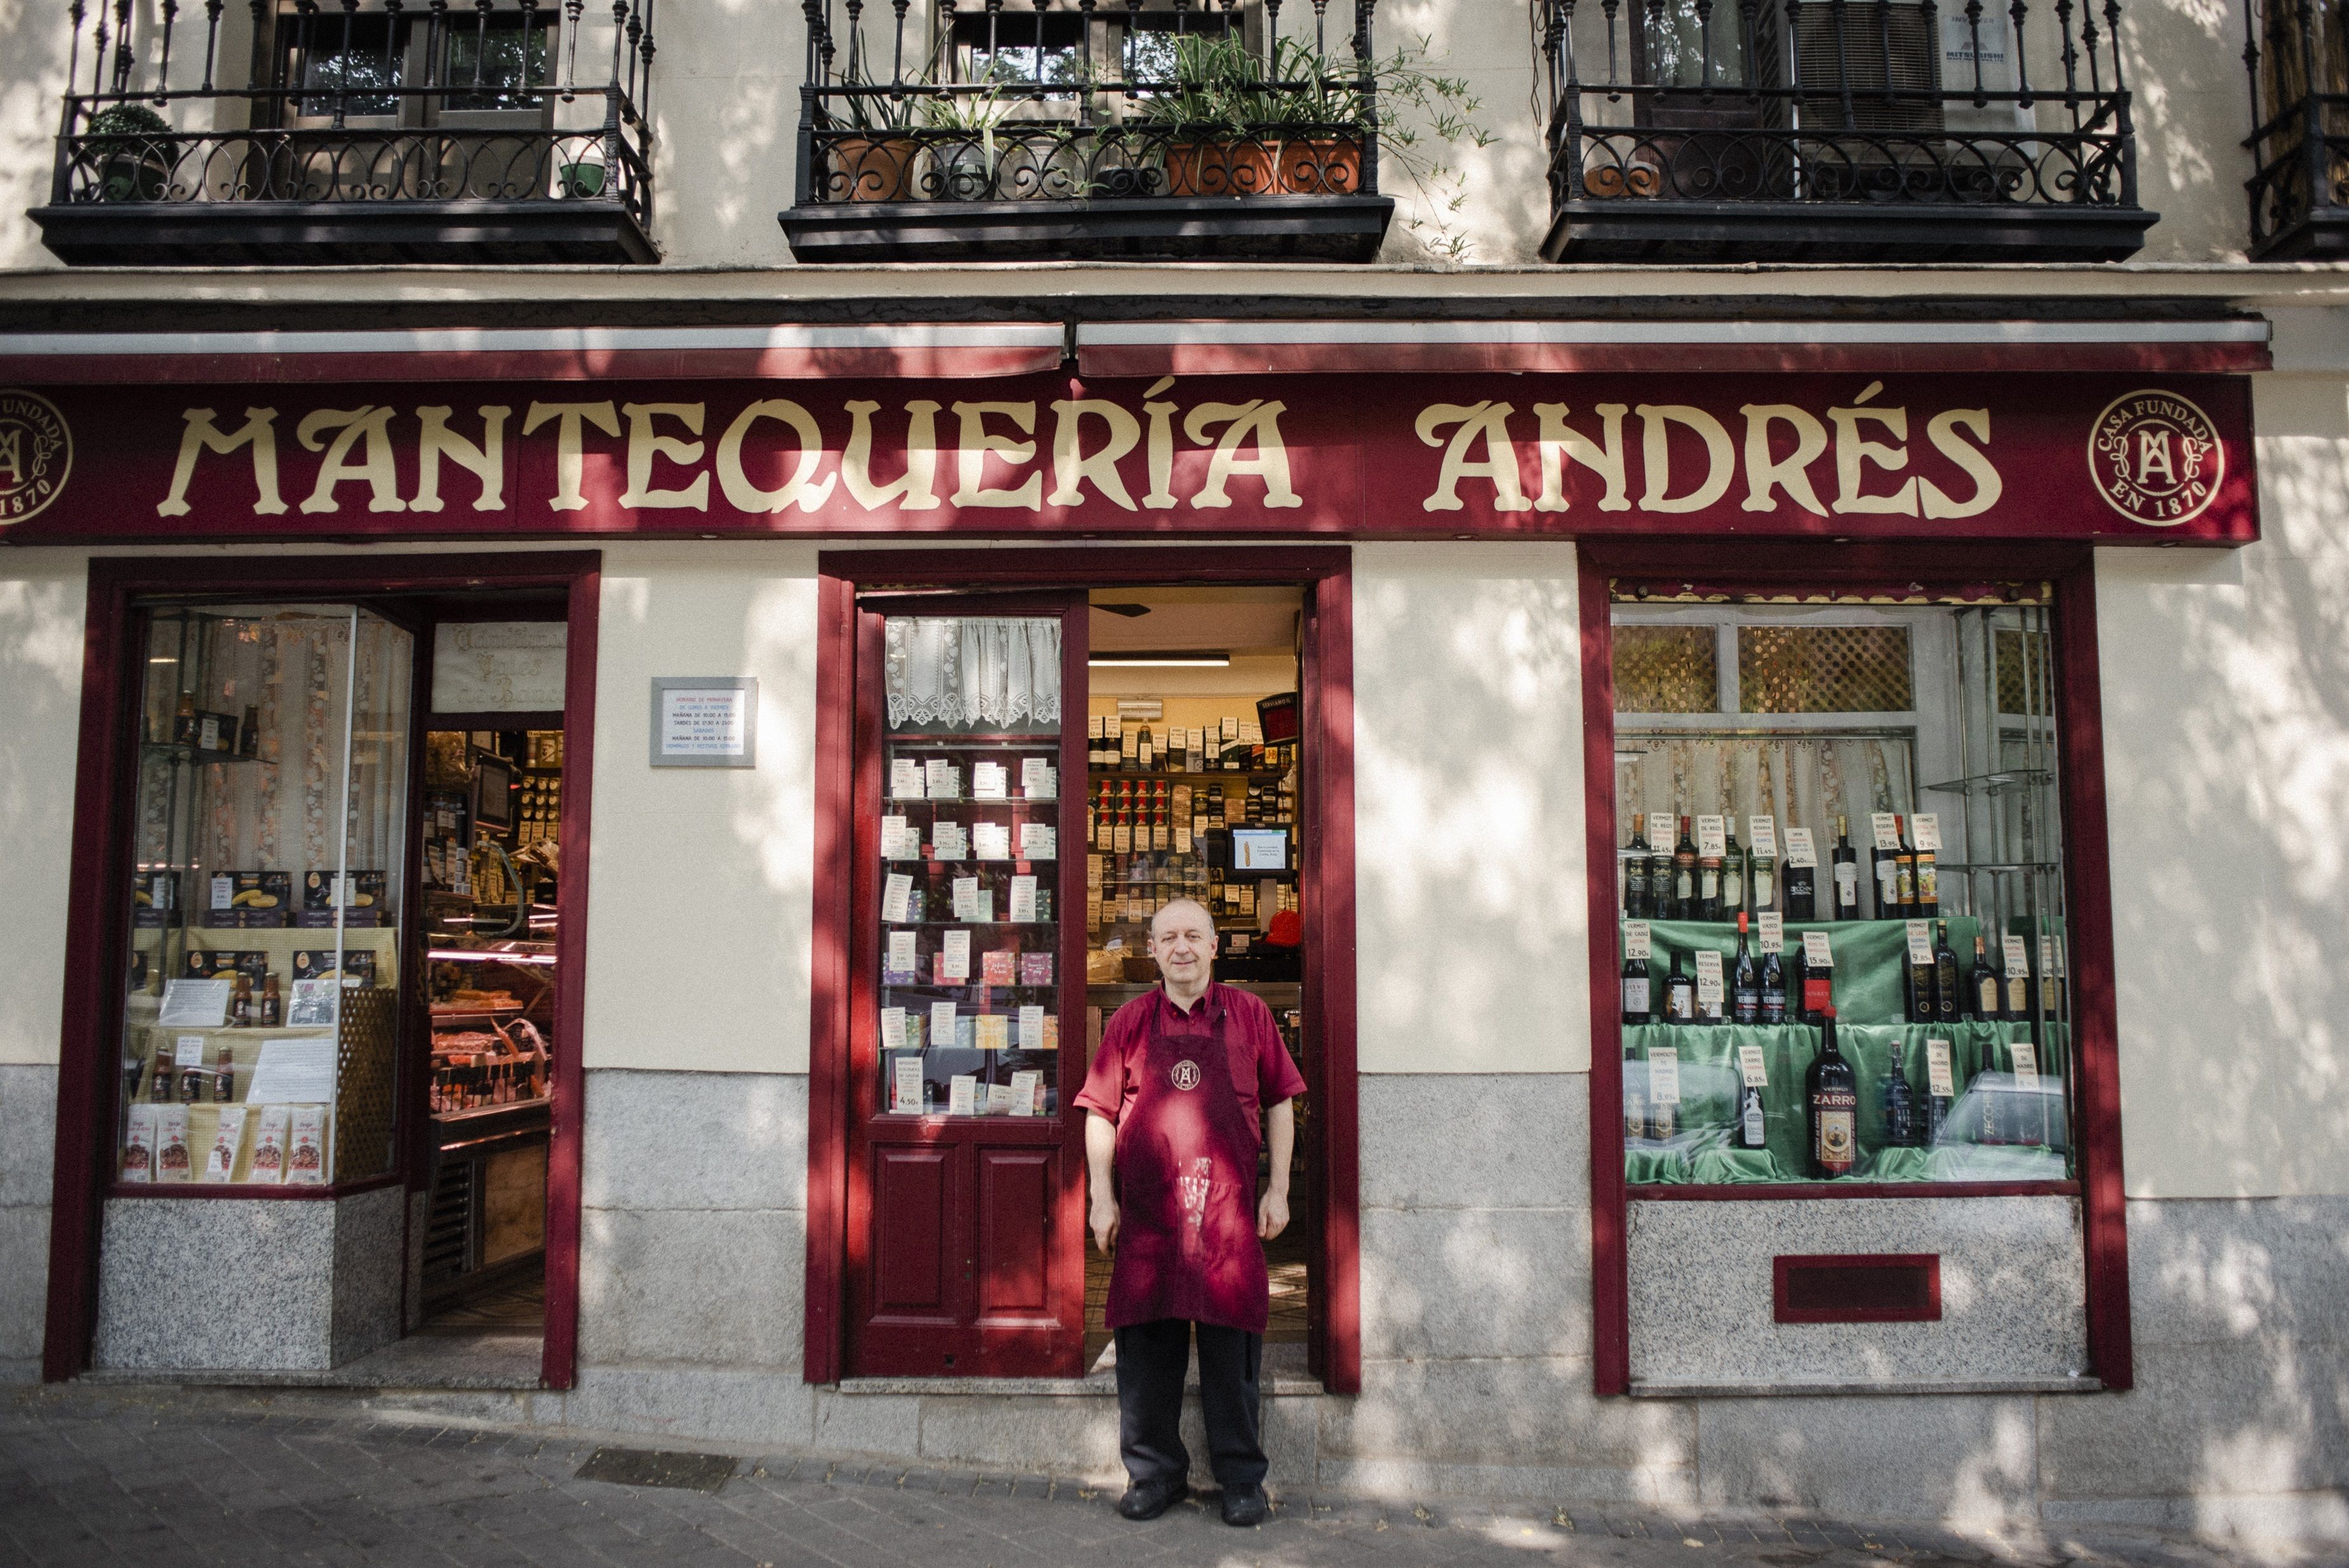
{"points": [[569, 450], [977, 441], [486, 462], [1655, 450], [735, 483], [1073, 468], [1562, 444], [1941, 429], [259, 431], [916, 490], [1483, 425], [1764, 473], [1852, 451], [1256, 421], [646, 444], [1162, 444], [377, 471]]}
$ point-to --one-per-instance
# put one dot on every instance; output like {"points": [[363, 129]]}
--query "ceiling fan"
{"points": [[1130, 612]]}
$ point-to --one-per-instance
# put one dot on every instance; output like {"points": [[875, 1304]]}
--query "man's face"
{"points": [[1183, 941]]}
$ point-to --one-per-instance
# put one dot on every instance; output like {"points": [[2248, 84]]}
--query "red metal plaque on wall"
{"points": [[2119, 458]]}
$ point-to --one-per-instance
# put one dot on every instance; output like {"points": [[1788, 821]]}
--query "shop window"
{"points": [[259, 1036], [1861, 839], [1666, 669]]}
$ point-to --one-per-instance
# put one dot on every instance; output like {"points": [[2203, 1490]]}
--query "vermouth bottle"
{"points": [[1929, 882], [1832, 1098], [1985, 986], [1732, 871], [1762, 872], [1802, 893], [1774, 989], [1684, 899], [1680, 994], [1660, 872], [1904, 870], [1900, 1106], [1884, 866], [1708, 888], [1751, 1129], [1946, 994], [1744, 980], [1636, 1003], [1635, 1098], [1846, 874], [1635, 876], [1920, 984], [1145, 752]]}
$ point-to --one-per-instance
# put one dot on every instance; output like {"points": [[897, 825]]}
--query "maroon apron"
{"points": [[1187, 1242]]}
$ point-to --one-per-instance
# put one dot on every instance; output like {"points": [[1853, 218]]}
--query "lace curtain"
{"points": [[1002, 673], [1803, 782]]}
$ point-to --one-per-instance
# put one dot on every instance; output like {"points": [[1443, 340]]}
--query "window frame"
{"points": [[1784, 570]]}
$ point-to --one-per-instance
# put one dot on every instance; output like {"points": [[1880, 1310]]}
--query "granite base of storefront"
{"points": [[270, 1285], [29, 1116]]}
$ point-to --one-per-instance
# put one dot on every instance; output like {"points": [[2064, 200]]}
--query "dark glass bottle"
{"points": [[1846, 874], [1680, 994], [1762, 881], [1884, 865], [1744, 980], [1638, 1006], [1708, 887], [1832, 1099], [1802, 893], [1900, 1106], [1817, 989], [225, 1074], [1684, 899], [1659, 871], [1936, 1112], [1919, 984], [1984, 991], [1904, 870], [1732, 870], [1635, 876], [1946, 994], [1928, 898], [1145, 752], [1774, 989]]}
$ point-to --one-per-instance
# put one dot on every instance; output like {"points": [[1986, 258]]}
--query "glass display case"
{"points": [[259, 1034], [1845, 813]]}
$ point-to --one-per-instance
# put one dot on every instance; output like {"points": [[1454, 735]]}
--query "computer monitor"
{"points": [[1260, 849]]}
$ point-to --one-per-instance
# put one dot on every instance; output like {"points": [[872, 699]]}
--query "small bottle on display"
{"points": [[1846, 874], [1749, 1129], [1708, 886], [1918, 983], [1636, 1001], [2018, 993], [1685, 897], [1802, 893], [1663, 1119], [1773, 987], [1947, 996], [159, 1082], [1928, 876], [1762, 870], [192, 1081], [1900, 1106], [1832, 1099], [1732, 870], [1635, 875], [1744, 980], [1635, 1096], [225, 1075], [1884, 865], [1680, 994], [1660, 870], [1984, 991], [273, 1003], [240, 1007], [1904, 870], [183, 721]]}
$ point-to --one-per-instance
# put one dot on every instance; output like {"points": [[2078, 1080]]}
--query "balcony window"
{"points": [[1840, 130], [1143, 130], [365, 133], [2300, 137]]}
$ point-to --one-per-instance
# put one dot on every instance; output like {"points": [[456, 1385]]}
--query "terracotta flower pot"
{"points": [[876, 169], [1220, 168], [1330, 166]]}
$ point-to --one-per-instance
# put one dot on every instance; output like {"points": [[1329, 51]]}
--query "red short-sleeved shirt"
{"points": [[1262, 1072]]}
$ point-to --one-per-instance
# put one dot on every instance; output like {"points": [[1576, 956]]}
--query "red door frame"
{"points": [[1328, 685], [98, 902], [1794, 570]]}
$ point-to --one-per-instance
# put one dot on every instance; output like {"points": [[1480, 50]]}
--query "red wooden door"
{"points": [[966, 1170]]}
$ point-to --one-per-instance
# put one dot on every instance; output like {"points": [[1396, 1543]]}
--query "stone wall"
{"points": [[28, 1115]]}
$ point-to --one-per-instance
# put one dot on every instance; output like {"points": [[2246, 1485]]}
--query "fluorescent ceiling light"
{"points": [[1160, 661]]}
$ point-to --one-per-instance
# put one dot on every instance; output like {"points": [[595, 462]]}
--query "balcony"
{"points": [[364, 134], [1133, 129], [1836, 130], [2300, 140]]}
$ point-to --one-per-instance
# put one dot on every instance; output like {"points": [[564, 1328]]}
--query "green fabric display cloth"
{"points": [[1870, 958], [1972, 1146]]}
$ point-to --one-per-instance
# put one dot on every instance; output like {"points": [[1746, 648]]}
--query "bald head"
{"points": [[1191, 909]]}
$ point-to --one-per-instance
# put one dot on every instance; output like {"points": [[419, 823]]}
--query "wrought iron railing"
{"points": [[2299, 120], [1095, 101], [1877, 102], [383, 104]]}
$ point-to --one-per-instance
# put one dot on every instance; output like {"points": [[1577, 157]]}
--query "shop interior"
{"points": [[271, 1039], [1194, 792]]}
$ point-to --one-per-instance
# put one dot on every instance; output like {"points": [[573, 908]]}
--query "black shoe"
{"points": [[1244, 1505], [1148, 1500]]}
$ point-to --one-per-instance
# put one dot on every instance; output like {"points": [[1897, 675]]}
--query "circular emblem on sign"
{"points": [[1186, 1076], [36, 454], [2155, 458]]}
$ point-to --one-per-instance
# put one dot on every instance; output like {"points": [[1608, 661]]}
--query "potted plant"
{"points": [[582, 178], [1323, 156], [135, 159], [877, 163], [1217, 143], [963, 152]]}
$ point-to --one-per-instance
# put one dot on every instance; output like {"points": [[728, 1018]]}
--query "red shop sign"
{"points": [[2116, 458]]}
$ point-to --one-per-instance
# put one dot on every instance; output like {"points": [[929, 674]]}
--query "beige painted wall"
{"points": [[1471, 930], [42, 597], [699, 900]]}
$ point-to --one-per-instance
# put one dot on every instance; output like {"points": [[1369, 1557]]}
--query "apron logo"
{"points": [[2155, 458], [1185, 1076], [36, 454]]}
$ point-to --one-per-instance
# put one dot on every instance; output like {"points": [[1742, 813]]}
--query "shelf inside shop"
{"points": [[900, 739], [2004, 782], [2016, 867], [183, 751]]}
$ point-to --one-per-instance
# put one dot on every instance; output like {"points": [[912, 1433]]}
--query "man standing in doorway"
{"points": [[1187, 1081]]}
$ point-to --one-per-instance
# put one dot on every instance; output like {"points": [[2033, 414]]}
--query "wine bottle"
{"points": [[1946, 994], [1636, 1001], [1918, 979], [1832, 1099], [1129, 755], [1732, 870], [1929, 871], [1802, 893], [1744, 980], [1761, 877], [1937, 1104], [1684, 899], [1147, 752], [1708, 884], [1984, 990], [1900, 1106], [2018, 989], [1680, 994], [1773, 987], [1635, 875], [1635, 1094], [1846, 874], [1659, 868], [1904, 870], [1884, 865], [1818, 988]]}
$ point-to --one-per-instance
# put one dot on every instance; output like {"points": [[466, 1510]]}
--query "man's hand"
{"points": [[1271, 1215], [1104, 1221]]}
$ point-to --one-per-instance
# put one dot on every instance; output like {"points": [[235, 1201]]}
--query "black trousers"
{"points": [[1151, 1360]]}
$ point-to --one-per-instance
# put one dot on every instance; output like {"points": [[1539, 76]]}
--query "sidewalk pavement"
{"points": [[161, 1476]]}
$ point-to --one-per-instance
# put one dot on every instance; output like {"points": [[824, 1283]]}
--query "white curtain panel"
{"points": [[990, 672], [1804, 782]]}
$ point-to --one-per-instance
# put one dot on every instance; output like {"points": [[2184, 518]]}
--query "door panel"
{"points": [[966, 976]]}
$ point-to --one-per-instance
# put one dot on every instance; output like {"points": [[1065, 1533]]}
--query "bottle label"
{"points": [[1904, 882], [1929, 882], [1680, 1003], [1834, 1145], [1765, 885], [1709, 879], [1635, 1113], [1846, 881], [1887, 887], [1684, 885], [1756, 1134], [1818, 992], [1635, 995]]}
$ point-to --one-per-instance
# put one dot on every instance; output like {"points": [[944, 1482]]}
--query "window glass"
{"points": [[1666, 669], [1908, 756]]}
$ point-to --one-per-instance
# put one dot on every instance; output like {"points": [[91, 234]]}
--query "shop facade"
{"points": [[2032, 606]]}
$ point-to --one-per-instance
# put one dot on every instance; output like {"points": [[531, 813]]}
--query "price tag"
{"points": [[1920, 941], [989, 781], [1031, 1028], [1660, 830], [949, 842], [1939, 1079], [2025, 1057], [1664, 1076], [905, 780], [1752, 1067], [939, 780], [1023, 900], [1635, 939], [902, 955], [1711, 836], [1925, 831], [1816, 952], [962, 1094], [1800, 851], [1708, 978], [1027, 1094], [2018, 960], [1773, 932], [896, 897], [909, 1086], [899, 839], [1887, 828], [223, 892], [188, 1050], [1762, 832], [955, 955], [893, 1028], [1039, 779], [1039, 841], [992, 841], [965, 902], [2047, 956], [942, 1025]]}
